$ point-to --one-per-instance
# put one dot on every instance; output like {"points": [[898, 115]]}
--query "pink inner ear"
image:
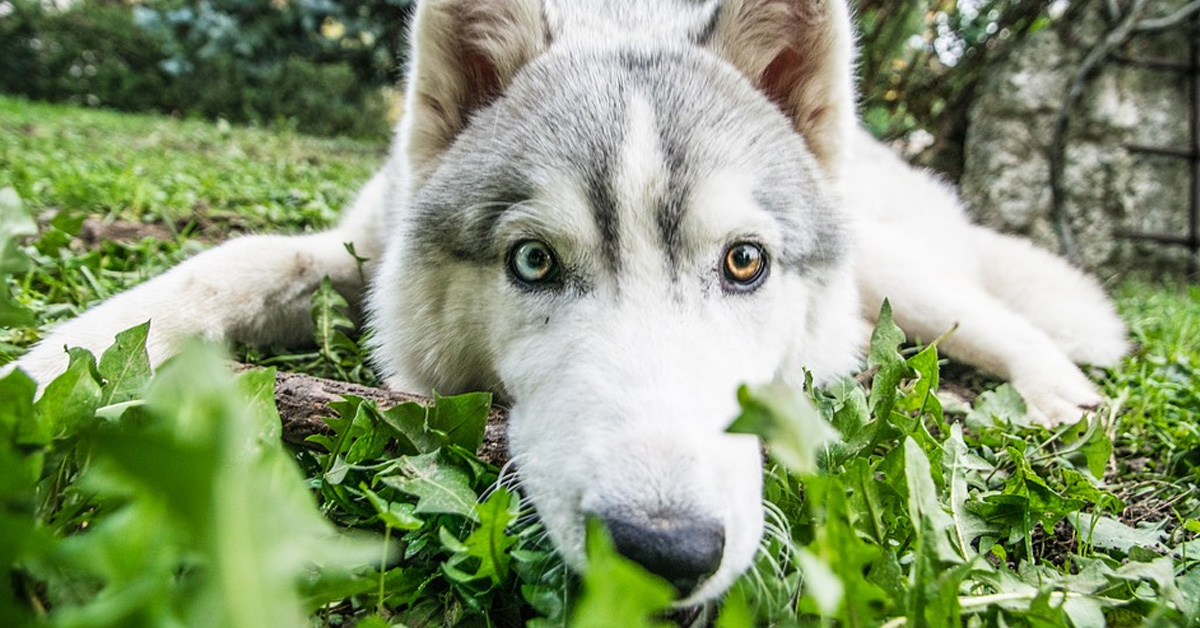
{"points": [[780, 78], [482, 81]]}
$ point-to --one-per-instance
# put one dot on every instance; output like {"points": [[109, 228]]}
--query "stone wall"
{"points": [[1108, 188]]}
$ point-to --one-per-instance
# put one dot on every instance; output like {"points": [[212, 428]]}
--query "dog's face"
{"points": [[614, 242]]}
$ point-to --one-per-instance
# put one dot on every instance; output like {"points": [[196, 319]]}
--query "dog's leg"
{"points": [[254, 289], [990, 336], [1067, 304]]}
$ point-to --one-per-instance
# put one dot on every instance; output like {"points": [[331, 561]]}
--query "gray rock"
{"points": [[1109, 189]]}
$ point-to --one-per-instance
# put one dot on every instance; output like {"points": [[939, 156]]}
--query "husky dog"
{"points": [[613, 212]]}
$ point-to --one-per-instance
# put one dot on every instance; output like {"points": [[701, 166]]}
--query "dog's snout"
{"points": [[683, 550]]}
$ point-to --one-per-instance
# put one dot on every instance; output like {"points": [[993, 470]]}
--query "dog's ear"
{"points": [[800, 54], [464, 53]]}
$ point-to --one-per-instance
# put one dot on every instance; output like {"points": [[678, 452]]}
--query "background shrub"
{"points": [[318, 65], [91, 54]]}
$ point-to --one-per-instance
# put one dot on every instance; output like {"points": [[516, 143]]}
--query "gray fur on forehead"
{"points": [[566, 112]]}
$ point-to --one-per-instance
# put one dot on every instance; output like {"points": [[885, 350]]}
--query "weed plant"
{"points": [[132, 499]]}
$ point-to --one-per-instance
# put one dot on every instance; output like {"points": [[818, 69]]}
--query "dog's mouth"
{"points": [[629, 429], [691, 530]]}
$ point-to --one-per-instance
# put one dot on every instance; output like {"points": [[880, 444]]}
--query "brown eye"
{"points": [[745, 266]]}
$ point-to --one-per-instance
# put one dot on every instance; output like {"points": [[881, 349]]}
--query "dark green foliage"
{"points": [[174, 504], [252, 64], [920, 61], [319, 62], [134, 500], [185, 182], [92, 55], [321, 99], [366, 35], [937, 525]]}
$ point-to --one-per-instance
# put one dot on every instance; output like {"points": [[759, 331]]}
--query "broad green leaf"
{"points": [[867, 500], [439, 487], [135, 551], [12, 314], [396, 515], [735, 610], [125, 366], [1107, 533], [820, 582], [336, 473], [544, 600], [462, 418], [1003, 406], [22, 537], [923, 396], [1044, 503], [359, 433], [1084, 612], [72, 398], [787, 421], [958, 463], [1087, 438], [328, 307], [1189, 591], [836, 564], [375, 621], [928, 515], [232, 508], [258, 386], [409, 422], [330, 325], [368, 438], [1081, 486], [891, 367], [488, 546], [19, 424], [616, 591], [851, 413], [1160, 573]]}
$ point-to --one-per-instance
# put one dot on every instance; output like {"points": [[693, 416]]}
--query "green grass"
{"points": [[199, 182], [1158, 387], [151, 168], [131, 500]]}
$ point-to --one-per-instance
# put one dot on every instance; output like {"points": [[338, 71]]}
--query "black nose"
{"points": [[683, 550]]}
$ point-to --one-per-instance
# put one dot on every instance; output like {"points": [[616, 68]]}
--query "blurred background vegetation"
{"points": [[321, 65], [317, 65], [919, 63]]}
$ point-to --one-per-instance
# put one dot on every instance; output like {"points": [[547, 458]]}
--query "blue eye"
{"points": [[533, 263]]}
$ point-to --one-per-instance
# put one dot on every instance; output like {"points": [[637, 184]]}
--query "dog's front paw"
{"points": [[1059, 400]]}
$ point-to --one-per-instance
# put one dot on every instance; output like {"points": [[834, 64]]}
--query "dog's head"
{"points": [[613, 213]]}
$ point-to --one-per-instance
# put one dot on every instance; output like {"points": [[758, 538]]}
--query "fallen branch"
{"points": [[303, 402]]}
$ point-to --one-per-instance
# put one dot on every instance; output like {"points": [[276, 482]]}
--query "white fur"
{"points": [[1021, 313], [622, 391], [254, 289]]}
